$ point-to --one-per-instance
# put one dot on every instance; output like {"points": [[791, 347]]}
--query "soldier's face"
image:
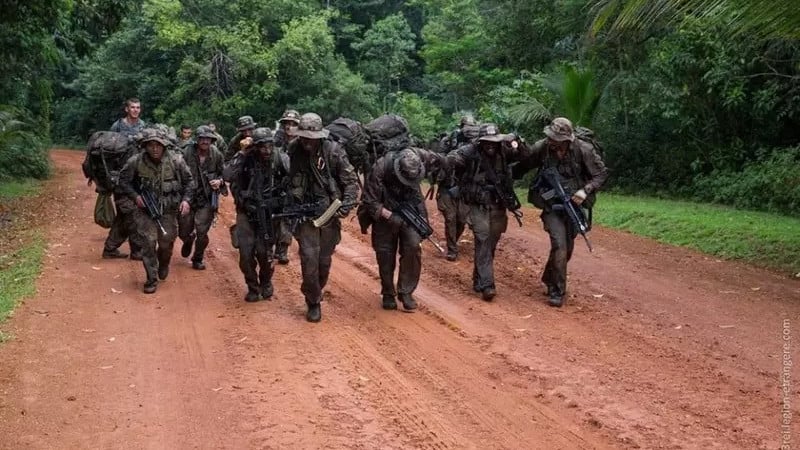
{"points": [[155, 150], [264, 149], [204, 143], [490, 148], [247, 132], [290, 128], [559, 147], [186, 133], [133, 110], [309, 145], [212, 126]]}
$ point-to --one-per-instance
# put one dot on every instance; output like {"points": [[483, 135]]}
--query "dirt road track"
{"points": [[657, 347]]}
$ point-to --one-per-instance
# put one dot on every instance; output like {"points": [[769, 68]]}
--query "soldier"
{"points": [[220, 141], [131, 124], [166, 176], [319, 172], [582, 173], [284, 135], [243, 138], [484, 178], [123, 226], [453, 210], [186, 137], [257, 174], [394, 181], [206, 164]]}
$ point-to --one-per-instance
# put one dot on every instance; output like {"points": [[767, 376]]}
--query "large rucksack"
{"points": [[388, 133], [354, 139], [106, 153], [587, 135]]}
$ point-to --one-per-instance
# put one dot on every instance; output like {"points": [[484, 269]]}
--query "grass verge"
{"points": [[18, 273], [19, 188]]}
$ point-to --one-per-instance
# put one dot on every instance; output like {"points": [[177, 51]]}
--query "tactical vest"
{"points": [[571, 176], [163, 179], [475, 185]]}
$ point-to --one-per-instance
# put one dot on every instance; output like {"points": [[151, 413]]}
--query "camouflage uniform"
{"points": [[395, 179], [247, 173], [244, 128], [582, 173], [282, 140], [128, 129], [171, 181], [193, 227], [321, 174], [480, 171]]}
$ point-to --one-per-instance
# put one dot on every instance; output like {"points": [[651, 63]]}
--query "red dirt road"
{"points": [[658, 347]]}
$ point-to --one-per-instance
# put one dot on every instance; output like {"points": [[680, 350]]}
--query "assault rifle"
{"points": [[260, 203], [314, 211], [509, 200], [564, 202], [409, 213], [151, 205]]}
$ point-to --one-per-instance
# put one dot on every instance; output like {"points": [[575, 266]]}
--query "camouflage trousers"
{"points": [[387, 239], [562, 243], [316, 254], [123, 227], [284, 238], [488, 223], [255, 255], [455, 214], [156, 246], [197, 222]]}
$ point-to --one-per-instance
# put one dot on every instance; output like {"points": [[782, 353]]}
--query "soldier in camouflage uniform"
{"points": [[582, 173], [257, 174], [453, 210], [123, 227], [185, 137], [318, 172], [243, 138], [206, 164], [222, 146], [131, 124], [394, 179], [483, 165], [167, 176], [284, 135]]}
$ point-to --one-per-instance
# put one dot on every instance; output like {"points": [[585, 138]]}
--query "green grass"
{"points": [[764, 239], [19, 188], [18, 272]]}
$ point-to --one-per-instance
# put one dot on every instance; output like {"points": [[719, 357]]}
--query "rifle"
{"points": [[314, 211], [259, 203], [564, 202], [509, 200], [409, 213], [152, 207]]}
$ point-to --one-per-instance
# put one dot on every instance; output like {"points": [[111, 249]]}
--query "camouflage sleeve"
{"points": [[233, 147], [530, 157], [595, 167], [126, 178], [233, 168], [217, 164], [115, 127], [373, 186], [345, 176], [188, 184], [457, 159]]}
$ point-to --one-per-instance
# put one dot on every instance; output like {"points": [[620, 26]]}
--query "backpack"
{"points": [[354, 139], [388, 133], [587, 135], [106, 153]]}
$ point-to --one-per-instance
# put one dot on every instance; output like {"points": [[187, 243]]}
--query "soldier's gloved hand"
{"points": [[343, 211], [579, 197], [184, 208], [245, 144], [396, 221]]}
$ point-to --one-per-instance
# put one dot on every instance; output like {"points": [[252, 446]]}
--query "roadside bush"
{"points": [[772, 184], [23, 153]]}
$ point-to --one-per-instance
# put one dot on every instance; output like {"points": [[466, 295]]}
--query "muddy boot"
{"points": [[198, 265], [409, 304], [282, 253], [452, 256], [266, 290], [186, 248], [489, 293], [150, 287], [252, 296], [136, 256], [113, 254], [556, 297], [163, 271], [314, 313], [388, 302]]}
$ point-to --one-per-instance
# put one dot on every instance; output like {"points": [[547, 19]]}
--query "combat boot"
{"points": [[282, 253], [198, 265], [489, 293], [409, 304], [113, 254], [252, 296], [266, 290], [556, 297], [314, 313], [150, 287], [389, 303], [452, 256], [163, 272], [136, 256], [186, 248]]}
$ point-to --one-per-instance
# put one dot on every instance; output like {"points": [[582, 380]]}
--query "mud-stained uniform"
{"points": [[196, 224]]}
